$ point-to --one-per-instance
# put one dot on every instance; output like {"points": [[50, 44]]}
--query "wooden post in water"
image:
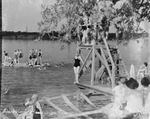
{"points": [[93, 63]]}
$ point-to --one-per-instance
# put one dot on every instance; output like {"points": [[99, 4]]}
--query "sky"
{"points": [[19, 14]]}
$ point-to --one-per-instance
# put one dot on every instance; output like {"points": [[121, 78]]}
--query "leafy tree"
{"points": [[125, 18]]}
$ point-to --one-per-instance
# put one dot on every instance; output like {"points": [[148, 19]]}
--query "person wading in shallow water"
{"points": [[15, 57], [20, 54], [6, 56], [39, 57], [77, 60]]}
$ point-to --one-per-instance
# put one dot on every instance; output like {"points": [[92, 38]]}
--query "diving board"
{"points": [[98, 88]]}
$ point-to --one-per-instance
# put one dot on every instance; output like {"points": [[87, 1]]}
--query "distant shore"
{"points": [[54, 35], [19, 35]]}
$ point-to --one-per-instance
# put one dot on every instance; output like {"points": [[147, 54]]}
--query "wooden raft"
{"points": [[62, 113]]}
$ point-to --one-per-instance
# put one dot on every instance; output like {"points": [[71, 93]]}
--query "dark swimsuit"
{"points": [[6, 54], [36, 114], [40, 54], [77, 62], [30, 57]]}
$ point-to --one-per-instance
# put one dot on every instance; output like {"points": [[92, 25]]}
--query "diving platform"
{"points": [[99, 88]]}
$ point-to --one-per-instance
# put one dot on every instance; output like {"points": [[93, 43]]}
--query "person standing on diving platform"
{"points": [[76, 67]]}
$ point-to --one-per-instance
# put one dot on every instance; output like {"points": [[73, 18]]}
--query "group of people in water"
{"points": [[34, 58], [131, 97], [18, 54]]}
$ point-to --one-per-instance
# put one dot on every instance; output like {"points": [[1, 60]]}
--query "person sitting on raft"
{"points": [[143, 71], [33, 57], [33, 110], [11, 61], [31, 60]]}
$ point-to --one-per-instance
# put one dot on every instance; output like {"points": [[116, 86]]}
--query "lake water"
{"points": [[53, 81]]}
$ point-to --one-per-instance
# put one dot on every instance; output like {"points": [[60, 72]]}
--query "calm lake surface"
{"points": [[53, 81]]}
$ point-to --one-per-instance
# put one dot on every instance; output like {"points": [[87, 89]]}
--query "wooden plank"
{"points": [[56, 97], [69, 103], [93, 64], [54, 106], [104, 90], [85, 46], [81, 114], [89, 101], [14, 112], [123, 65], [88, 64], [80, 72], [100, 72], [3, 116], [106, 63], [112, 62], [100, 57], [83, 60], [72, 106], [41, 111]]}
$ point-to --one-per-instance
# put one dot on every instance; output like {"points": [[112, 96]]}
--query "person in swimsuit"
{"points": [[35, 57], [31, 63], [20, 54], [6, 56], [77, 60], [15, 57], [39, 57], [18, 59], [33, 110], [143, 71]]}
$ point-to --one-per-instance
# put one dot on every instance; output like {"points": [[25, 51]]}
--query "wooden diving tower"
{"points": [[109, 58]]}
